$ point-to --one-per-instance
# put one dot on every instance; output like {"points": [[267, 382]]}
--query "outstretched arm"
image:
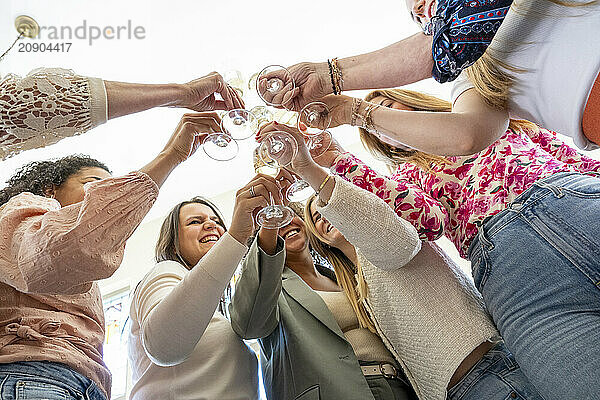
{"points": [[50, 104]]}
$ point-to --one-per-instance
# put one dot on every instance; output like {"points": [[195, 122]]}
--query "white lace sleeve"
{"points": [[46, 106]]}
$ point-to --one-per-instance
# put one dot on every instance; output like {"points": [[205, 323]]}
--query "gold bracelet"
{"points": [[355, 106], [322, 184], [369, 125]]}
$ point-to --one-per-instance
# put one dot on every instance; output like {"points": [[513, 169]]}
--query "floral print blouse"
{"points": [[454, 198]]}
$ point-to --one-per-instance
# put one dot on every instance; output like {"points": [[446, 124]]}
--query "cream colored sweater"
{"points": [[428, 311], [179, 346], [47, 105]]}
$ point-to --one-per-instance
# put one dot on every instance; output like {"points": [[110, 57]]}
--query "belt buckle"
{"points": [[394, 374]]}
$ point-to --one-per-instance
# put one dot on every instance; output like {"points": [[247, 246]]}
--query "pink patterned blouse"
{"points": [[456, 197], [50, 258]]}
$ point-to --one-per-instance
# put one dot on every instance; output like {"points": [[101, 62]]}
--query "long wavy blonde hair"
{"points": [[394, 156], [349, 276]]}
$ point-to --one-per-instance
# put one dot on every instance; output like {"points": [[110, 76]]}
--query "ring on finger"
{"points": [[252, 191]]}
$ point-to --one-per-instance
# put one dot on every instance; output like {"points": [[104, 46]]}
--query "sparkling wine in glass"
{"points": [[268, 167], [235, 79], [262, 114]]}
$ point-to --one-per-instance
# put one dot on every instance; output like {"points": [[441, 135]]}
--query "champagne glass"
{"points": [[313, 121], [220, 146], [314, 118], [273, 82], [299, 190], [239, 124], [277, 149], [252, 81], [278, 146]]}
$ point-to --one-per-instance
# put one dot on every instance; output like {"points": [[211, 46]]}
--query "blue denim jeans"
{"points": [[537, 265], [497, 376], [36, 380]]}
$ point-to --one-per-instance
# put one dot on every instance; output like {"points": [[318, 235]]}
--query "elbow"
{"points": [[245, 334], [160, 355], [477, 137], [471, 142], [253, 327]]}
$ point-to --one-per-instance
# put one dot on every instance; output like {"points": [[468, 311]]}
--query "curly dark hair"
{"points": [[36, 177]]}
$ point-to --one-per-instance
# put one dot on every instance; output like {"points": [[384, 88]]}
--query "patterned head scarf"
{"points": [[462, 30]]}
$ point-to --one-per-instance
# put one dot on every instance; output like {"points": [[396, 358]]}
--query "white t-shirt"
{"points": [[559, 47], [219, 365]]}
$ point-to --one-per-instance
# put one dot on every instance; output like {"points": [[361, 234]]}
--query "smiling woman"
{"points": [[301, 317], [179, 333]]}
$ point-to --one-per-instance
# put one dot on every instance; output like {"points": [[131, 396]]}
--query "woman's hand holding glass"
{"points": [[312, 82], [256, 195], [302, 158], [190, 133], [302, 163], [199, 94]]}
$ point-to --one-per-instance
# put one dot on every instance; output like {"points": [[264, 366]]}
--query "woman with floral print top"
{"points": [[454, 198], [525, 211]]}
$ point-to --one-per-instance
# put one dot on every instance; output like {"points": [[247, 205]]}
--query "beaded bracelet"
{"points": [[332, 78], [337, 75]]}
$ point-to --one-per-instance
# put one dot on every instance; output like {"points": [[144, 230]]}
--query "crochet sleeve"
{"points": [[385, 239], [47, 105], [406, 197]]}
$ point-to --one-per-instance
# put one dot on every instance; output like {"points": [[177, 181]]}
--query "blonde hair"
{"points": [[349, 276], [394, 156], [391, 155]]}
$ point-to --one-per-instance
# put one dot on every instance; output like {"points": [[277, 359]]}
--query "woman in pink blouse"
{"points": [[525, 211], [63, 226]]}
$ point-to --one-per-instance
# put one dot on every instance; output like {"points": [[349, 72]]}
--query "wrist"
{"points": [[170, 157], [322, 70], [347, 110], [160, 167], [179, 95], [238, 234]]}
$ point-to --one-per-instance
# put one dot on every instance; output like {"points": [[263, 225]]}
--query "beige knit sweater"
{"points": [[428, 311]]}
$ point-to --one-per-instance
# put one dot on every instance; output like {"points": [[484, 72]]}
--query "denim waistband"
{"points": [[55, 372], [540, 189]]}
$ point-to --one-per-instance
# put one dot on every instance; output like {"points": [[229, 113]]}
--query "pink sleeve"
{"points": [[48, 249], [408, 200], [550, 142]]}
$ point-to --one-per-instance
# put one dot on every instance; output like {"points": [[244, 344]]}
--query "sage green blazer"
{"points": [[304, 354]]}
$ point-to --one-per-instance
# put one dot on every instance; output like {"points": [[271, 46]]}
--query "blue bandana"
{"points": [[462, 31]]}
